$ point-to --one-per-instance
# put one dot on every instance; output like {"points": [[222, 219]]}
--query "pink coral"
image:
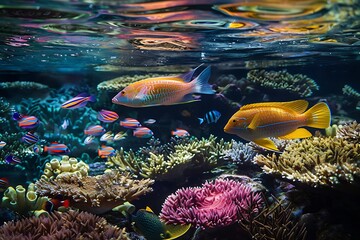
{"points": [[218, 203]]}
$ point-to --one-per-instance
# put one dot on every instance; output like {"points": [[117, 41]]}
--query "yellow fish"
{"points": [[256, 122], [165, 90]]}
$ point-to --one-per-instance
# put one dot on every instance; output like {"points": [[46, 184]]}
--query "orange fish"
{"points": [[165, 90], [256, 122]]}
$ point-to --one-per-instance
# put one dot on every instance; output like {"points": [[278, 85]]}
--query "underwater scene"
{"points": [[189, 120]]}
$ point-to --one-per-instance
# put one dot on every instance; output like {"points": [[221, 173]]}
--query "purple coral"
{"points": [[215, 204]]}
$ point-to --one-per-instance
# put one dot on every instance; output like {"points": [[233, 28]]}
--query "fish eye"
{"points": [[233, 120], [122, 92]]}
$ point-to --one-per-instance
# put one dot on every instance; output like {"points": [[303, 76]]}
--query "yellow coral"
{"points": [[24, 202], [316, 161], [65, 166]]}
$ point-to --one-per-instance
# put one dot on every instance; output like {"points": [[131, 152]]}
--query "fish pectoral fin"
{"points": [[254, 122], [298, 133], [266, 143], [142, 93], [174, 231]]}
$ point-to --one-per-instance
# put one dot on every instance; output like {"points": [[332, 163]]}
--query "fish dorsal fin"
{"points": [[174, 231], [266, 143], [298, 133], [148, 209], [299, 106], [187, 77], [84, 94], [254, 122]]}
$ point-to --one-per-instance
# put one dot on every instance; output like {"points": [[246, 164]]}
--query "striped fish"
{"points": [[30, 138], [106, 151], [130, 123], [95, 130], [56, 148], [13, 160], [143, 132], [28, 122], [210, 117], [107, 116], [180, 133], [4, 184], [79, 101]]}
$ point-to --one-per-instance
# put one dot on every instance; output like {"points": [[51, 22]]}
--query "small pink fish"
{"points": [[106, 151], [180, 133], [143, 132], [130, 123], [95, 130], [28, 122], [56, 148], [107, 116], [79, 101]]}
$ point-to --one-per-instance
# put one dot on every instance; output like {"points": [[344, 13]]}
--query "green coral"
{"points": [[350, 92], [121, 82], [24, 201], [23, 85], [297, 84], [194, 155]]}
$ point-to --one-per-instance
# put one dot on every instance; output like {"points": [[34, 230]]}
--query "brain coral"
{"points": [[69, 225], [215, 204], [296, 84], [96, 194], [315, 161]]}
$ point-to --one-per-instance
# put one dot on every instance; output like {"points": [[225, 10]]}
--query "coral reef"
{"points": [[215, 204], [69, 225], [117, 84], [24, 201], [349, 131], [170, 162], [240, 153], [66, 165], [351, 92], [316, 161], [297, 84], [96, 194], [23, 86], [274, 222]]}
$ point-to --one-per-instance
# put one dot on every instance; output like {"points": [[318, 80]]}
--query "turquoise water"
{"points": [[258, 51]]}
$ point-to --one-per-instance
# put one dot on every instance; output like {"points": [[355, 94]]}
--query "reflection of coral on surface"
{"points": [[24, 202], [297, 84], [69, 225], [96, 194], [215, 204], [315, 161]]}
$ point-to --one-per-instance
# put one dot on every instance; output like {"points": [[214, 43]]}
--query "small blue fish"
{"points": [[2, 144], [17, 116], [210, 117], [37, 149], [13, 160], [65, 124], [79, 101], [150, 121], [30, 138]]}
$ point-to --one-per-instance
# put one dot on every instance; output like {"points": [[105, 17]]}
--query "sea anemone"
{"points": [[215, 204]]}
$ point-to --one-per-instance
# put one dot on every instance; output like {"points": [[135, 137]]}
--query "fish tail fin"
{"points": [[201, 120], [318, 116], [201, 84], [92, 98]]}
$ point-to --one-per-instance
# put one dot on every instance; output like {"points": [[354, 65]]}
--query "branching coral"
{"points": [[297, 84], [275, 222], [96, 194], [215, 204], [24, 202], [349, 131], [170, 162], [69, 225], [66, 165], [240, 153], [315, 161], [351, 92]]}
